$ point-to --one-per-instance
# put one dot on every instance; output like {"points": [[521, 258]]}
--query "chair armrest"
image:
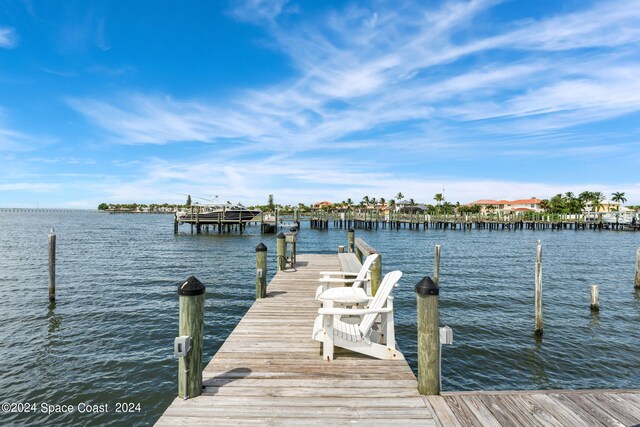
{"points": [[353, 311], [337, 280], [338, 273]]}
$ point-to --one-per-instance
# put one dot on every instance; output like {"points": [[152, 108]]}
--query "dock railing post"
{"points": [[52, 265], [636, 282], [261, 271], [340, 249], [191, 321], [281, 251], [539, 327], [351, 239], [428, 337]]}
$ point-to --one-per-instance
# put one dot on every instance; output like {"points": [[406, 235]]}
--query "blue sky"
{"points": [[119, 101]]}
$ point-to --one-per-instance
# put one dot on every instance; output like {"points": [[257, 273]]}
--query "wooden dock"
{"points": [[270, 372], [537, 408]]}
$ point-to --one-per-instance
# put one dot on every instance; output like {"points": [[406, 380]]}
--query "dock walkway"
{"points": [[270, 372]]}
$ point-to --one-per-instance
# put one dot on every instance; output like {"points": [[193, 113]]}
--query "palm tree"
{"points": [[618, 197], [365, 199], [374, 201], [349, 202], [439, 198], [399, 196]]}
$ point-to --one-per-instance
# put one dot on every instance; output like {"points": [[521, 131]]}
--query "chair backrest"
{"points": [[362, 274], [388, 282]]}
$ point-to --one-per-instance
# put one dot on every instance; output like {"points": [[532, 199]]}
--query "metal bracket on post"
{"points": [[446, 338]]}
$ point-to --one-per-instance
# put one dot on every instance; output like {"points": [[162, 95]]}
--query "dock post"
{"points": [[261, 271], [436, 266], [52, 265], [376, 274], [281, 251], [351, 238], [340, 249], [428, 337], [175, 224], [595, 298], [191, 295], [538, 290], [637, 275]]}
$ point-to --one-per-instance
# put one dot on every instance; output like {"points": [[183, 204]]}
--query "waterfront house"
{"points": [[508, 206]]}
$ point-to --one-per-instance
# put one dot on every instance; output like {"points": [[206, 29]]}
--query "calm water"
{"points": [[109, 337]]}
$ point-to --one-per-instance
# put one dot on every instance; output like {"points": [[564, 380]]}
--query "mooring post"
{"points": [[351, 239], [538, 290], [261, 271], [191, 295], [52, 265], [175, 223], [595, 298], [340, 249], [376, 274], [436, 266], [281, 251], [637, 275], [428, 337]]}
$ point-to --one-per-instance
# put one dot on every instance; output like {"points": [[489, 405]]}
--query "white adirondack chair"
{"points": [[358, 279], [361, 337]]}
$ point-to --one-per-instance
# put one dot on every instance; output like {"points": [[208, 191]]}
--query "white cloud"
{"points": [[416, 81], [8, 38]]}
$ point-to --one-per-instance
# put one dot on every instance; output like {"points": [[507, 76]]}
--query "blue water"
{"points": [[108, 337]]}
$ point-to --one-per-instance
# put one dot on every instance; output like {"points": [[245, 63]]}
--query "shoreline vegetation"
{"points": [[567, 203]]}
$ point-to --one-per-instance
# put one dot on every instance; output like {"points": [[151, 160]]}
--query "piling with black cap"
{"points": [[281, 251], [351, 240], [428, 337], [261, 271], [191, 295], [52, 265]]}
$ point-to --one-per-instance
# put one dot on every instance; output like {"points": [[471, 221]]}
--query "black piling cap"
{"points": [[351, 230], [427, 287], [261, 248], [192, 287], [280, 236]]}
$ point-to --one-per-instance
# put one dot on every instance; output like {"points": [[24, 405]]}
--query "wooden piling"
{"points": [[637, 275], [52, 265], [595, 298], [428, 337], [261, 271], [175, 224], [351, 239], [340, 249], [281, 251], [539, 324], [376, 274], [436, 266], [191, 295]]}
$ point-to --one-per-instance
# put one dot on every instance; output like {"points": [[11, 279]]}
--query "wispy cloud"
{"points": [[258, 11], [375, 68], [8, 38], [376, 79]]}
